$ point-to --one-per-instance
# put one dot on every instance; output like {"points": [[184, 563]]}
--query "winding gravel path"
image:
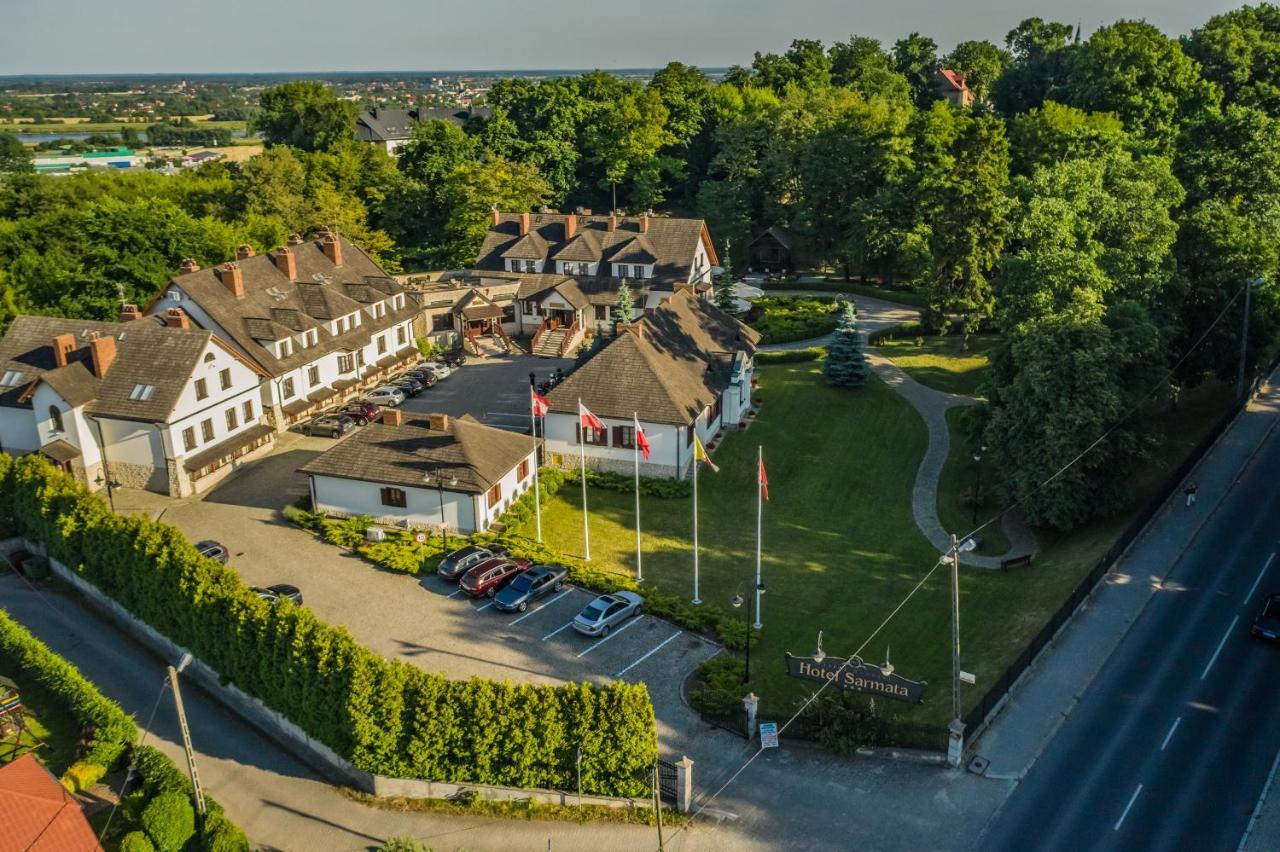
{"points": [[932, 406]]}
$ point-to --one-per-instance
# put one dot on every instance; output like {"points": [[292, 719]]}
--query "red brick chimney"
{"points": [[129, 313], [63, 345], [244, 251], [177, 318], [524, 224], [332, 247], [102, 351], [494, 217], [438, 422], [570, 226], [232, 278], [189, 265], [644, 224], [286, 262], [295, 239], [392, 417], [613, 221]]}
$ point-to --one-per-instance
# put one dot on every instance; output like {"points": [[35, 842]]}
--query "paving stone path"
{"points": [[932, 406]]}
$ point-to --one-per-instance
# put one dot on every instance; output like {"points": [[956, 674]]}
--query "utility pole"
{"points": [[956, 746], [1244, 334], [657, 805], [186, 734]]}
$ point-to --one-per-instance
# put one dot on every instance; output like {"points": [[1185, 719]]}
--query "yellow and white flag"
{"points": [[700, 454]]}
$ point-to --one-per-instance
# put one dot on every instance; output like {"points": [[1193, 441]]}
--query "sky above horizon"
{"points": [[163, 36]]}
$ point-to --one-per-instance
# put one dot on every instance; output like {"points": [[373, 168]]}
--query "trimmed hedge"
{"points": [[791, 356], [161, 776], [386, 717], [911, 329], [650, 486], [113, 729], [783, 319]]}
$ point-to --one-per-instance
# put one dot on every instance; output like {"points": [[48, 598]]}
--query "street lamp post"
{"points": [[956, 750], [737, 602], [977, 485], [444, 526], [111, 486]]}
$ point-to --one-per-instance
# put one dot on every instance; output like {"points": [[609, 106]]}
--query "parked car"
{"points": [[454, 358], [214, 550], [463, 560], [1267, 624], [361, 412], [272, 594], [607, 612], [332, 425], [408, 384], [440, 370], [385, 395], [427, 377], [529, 586], [485, 579]]}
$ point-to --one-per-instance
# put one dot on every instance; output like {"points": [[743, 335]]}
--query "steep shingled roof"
{"points": [[673, 369], [478, 455]]}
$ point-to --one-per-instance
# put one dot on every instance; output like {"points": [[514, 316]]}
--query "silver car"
{"points": [[436, 368], [386, 395], [607, 612]]}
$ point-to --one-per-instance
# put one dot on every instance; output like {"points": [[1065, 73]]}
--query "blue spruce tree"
{"points": [[846, 365]]}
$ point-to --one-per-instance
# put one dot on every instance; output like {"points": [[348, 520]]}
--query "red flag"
{"points": [[642, 442], [541, 405], [764, 481], [589, 419]]}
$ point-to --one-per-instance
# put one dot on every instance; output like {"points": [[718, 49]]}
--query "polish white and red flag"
{"points": [[589, 420], [541, 405], [641, 441]]}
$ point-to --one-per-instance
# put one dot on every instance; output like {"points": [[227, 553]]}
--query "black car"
{"points": [[529, 586], [214, 550], [332, 425], [273, 594], [408, 384], [455, 358], [425, 377], [1267, 624], [463, 560]]}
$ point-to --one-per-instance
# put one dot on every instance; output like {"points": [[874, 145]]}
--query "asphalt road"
{"points": [[1172, 743]]}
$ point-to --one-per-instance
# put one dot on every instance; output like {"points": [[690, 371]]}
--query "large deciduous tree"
{"points": [[981, 62], [471, 192], [1040, 50], [916, 58], [1240, 52], [15, 157], [305, 114], [861, 64]]}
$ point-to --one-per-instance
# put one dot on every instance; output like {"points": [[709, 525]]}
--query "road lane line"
{"points": [[544, 606], [650, 654], [1132, 799], [1169, 736], [557, 630], [1261, 574], [614, 633], [1214, 658]]}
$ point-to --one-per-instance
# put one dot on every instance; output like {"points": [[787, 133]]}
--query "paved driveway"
{"points": [[492, 390]]}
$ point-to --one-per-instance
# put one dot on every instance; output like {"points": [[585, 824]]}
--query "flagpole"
{"points": [[696, 463], [759, 517], [537, 493], [582, 456], [635, 442]]}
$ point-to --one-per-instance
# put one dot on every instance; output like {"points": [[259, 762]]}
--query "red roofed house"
{"points": [[951, 85], [37, 814]]}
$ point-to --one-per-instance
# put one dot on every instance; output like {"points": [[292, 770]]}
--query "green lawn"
{"points": [[51, 731], [956, 485], [942, 361]]}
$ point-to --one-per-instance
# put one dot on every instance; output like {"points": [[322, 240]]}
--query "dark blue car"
{"points": [[529, 586]]}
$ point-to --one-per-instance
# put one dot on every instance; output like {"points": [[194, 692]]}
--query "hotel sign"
{"points": [[853, 675]]}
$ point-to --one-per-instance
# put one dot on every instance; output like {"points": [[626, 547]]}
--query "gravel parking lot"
{"points": [[427, 621]]}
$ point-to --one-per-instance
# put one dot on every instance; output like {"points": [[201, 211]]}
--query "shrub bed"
{"points": [[386, 717], [783, 319], [791, 356]]}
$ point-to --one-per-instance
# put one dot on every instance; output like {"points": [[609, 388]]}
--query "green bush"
{"points": [[911, 329], [112, 728], [348, 532], [720, 690], [401, 552], [783, 319], [403, 844], [303, 517], [169, 821], [426, 348], [791, 356], [82, 775], [160, 775], [136, 841], [650, 486], [220, 834], [384, 716]]}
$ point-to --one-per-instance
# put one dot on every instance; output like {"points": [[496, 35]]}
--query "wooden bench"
{"points": [[1015, 561]]}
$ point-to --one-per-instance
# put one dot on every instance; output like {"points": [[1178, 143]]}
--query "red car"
{"points": [[484, 580], [359, 411]]}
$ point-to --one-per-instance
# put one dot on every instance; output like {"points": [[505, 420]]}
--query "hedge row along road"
{"points": [[384, 716]]}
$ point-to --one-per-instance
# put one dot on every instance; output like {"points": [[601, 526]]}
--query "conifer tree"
{"points": [[846, 365]]}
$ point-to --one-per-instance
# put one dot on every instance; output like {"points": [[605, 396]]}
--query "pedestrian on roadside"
{"points": [[1190, 490]]}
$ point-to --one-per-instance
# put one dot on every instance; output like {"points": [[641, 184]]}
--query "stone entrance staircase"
{"points": [[550, 342]]}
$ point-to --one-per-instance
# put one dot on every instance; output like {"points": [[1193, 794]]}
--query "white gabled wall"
{"points": [[75, 431], [667, 444], [18, 433], [511, 486], [422, 505]]}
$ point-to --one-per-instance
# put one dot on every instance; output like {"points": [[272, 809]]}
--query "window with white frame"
{"points": [[142, 393]]}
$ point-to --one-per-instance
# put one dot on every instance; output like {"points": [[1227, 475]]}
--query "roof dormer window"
{"points": [[141, 392]]}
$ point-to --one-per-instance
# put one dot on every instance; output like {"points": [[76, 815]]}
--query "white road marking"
{"points": [[544, 606], [650, 654], [1132, 799], [1261, 574], [1169, 736], [557, 630], [612, 634], [1214, 658], [456, 593], [483, 608]]}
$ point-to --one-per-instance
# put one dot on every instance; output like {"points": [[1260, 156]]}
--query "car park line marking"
{"points": [[612, 634], [557, 630], [455, 593], [650, 654], [483, 608], [1261, 573], [1132, 799], [1169, 736], [1214, 658], [544, 606]]}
